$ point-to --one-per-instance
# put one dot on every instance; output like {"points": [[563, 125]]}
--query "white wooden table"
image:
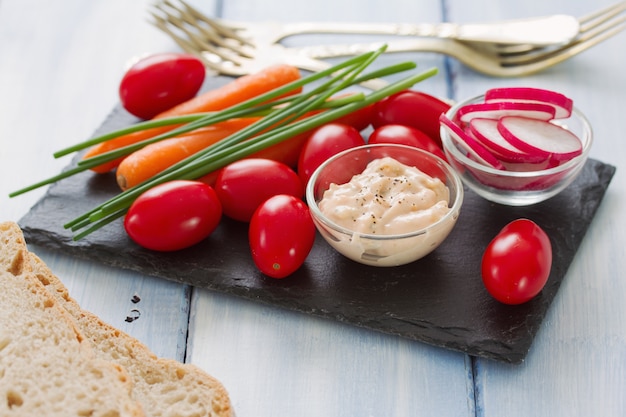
{"points": [[60, 64]]}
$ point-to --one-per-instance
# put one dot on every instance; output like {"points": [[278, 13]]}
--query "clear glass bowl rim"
{"points": [[451, 174]]}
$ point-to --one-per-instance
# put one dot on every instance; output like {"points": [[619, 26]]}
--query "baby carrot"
{"points": [[232, 93], [154, 158], [118, 143], [237, 91]]}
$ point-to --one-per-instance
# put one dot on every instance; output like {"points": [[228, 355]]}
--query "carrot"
{"points": [[120, 142], [237, 91], [232, 93], [154, 158]]}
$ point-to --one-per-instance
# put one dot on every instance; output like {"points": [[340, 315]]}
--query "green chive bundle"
{"points": [[280, 114]]}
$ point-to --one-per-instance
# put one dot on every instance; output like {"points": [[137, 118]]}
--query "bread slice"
{"points": [[164, 387], [47, 368]]}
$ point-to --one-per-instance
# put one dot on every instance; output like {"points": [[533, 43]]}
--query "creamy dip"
{"points": [[388, 197]]}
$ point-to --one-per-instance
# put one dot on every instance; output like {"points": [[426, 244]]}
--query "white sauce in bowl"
{"points": [[387, 198]]}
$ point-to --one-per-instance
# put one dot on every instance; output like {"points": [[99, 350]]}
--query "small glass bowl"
{"points": [[517, 188], [376, 249]]}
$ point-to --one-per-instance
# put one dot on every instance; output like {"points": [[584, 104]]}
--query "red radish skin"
{"points": [[478, 151], [487, 133], [529, 166], [502, 109], [540, 138], [562, 104]]}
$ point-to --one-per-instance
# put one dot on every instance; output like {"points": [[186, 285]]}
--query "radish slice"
{"points": [[475, 149], [501, 109], [487, 133], [530, 166], [540, 138], [562, 105]]}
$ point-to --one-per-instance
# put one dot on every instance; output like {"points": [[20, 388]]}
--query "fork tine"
{"points": [[209, 32], [587, 40], [192, 42], [219, 54], [587, 22], [161, 24], [217, 65], [216, 24], [594, 19]]}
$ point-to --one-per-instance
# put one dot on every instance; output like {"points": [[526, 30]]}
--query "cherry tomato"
{"points": [[287, 151], [411, 108], [159, 82], [517, 263], [405, 135], [358, 119], [173, 215], [323, 143], [243, 185], [281, 235]]}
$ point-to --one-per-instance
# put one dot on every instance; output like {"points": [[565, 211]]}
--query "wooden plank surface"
{"points": [[59, 71]]}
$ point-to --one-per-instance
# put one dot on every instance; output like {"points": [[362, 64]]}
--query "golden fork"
{"points": [[537, 31], [227, 51]]}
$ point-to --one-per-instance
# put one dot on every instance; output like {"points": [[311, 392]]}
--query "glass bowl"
{"points": [[383, 250], [518, 188]]}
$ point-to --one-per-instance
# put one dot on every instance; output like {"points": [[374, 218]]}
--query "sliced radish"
{"points": [[468, 143], [540, 138], [487, 133], [502, 109], [562, 104], [513, 130]]}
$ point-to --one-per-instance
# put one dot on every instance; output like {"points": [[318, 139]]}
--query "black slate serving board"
{"points": [[439, 299]]}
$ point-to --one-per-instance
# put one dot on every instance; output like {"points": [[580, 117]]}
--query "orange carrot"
{"points": [[234, 92], [156, 157], [120, 142], [237, 91], [152, 159]]}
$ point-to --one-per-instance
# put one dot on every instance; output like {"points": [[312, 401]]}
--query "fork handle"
{"points": [[342, 50], [309, 63], [541, 31]]}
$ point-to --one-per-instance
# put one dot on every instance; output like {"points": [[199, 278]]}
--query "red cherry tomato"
{"points": [[159, 82], [323, 143], [358, 119], [281, 235], [173, 215], [287, 151], [411, 108], [243, 185], [517, 263], [405, 135]]}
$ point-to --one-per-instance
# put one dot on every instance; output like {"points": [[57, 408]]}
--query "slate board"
{"points": [[439, 300]]}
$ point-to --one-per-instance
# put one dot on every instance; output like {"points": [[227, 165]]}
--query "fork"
{"points": [[226, 51], [537, 31], [530, 32]]}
